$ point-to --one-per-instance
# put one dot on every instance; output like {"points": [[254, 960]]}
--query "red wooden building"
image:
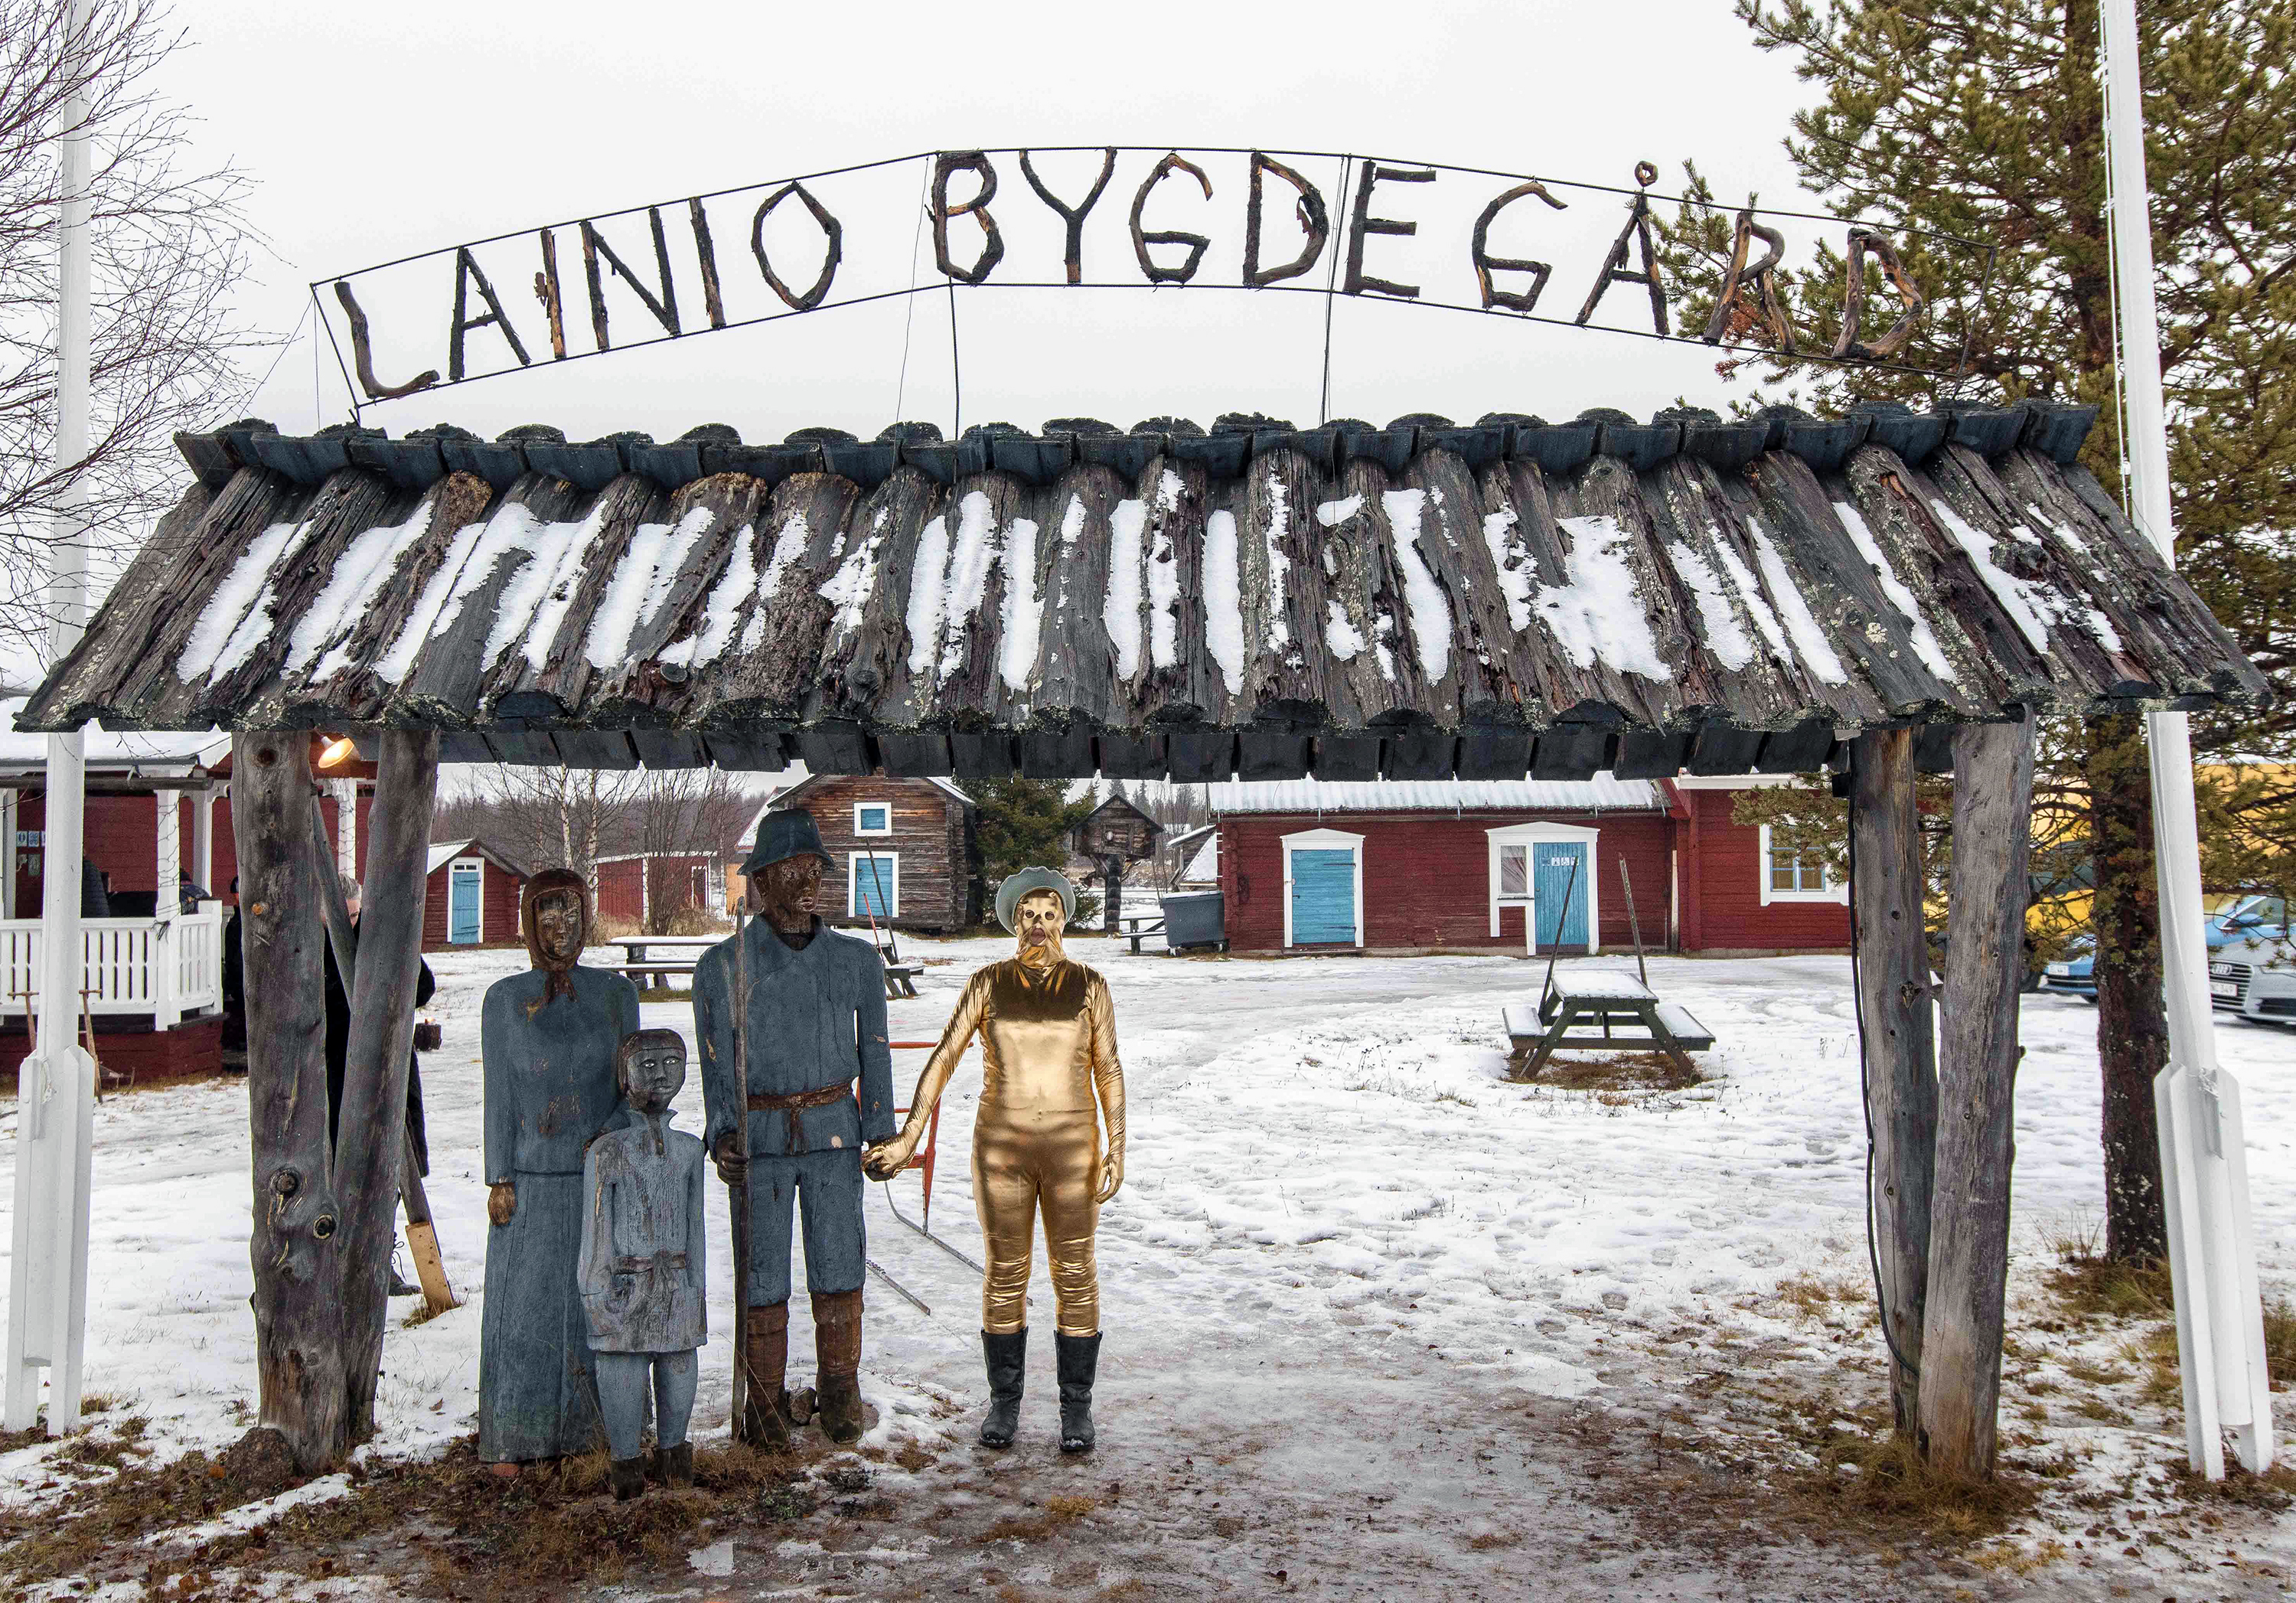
{"points": [[634, 887], [1524, 866], [472, 896]]}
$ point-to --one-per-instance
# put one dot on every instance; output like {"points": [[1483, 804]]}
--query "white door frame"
{"points": [[479, 864], [1323, 840], [1526, 836], [891, 890]]}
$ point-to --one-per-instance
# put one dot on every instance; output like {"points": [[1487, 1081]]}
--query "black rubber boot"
{"points": [[674, 1466], [626, 1476], [1079, 1359], [1007, 1357]]}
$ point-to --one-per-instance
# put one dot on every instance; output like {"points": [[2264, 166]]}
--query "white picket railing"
{"points": [[167, 969]]}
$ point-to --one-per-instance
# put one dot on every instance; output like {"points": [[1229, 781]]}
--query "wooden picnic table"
{"points": [[1139, 926], [656, 972], [1627, 1013]]}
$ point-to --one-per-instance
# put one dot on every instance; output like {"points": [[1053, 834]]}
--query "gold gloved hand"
{"points": [[502, 1202], [887, 1159], [1111, 1174]]}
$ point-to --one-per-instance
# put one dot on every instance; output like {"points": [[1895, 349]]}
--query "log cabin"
{"points": [[906, 850]]}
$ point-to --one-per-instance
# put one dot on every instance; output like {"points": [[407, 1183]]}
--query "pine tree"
{"points": [[1983, 120], [1024, 823]]}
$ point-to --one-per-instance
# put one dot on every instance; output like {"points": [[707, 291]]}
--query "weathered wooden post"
{"points": [[1898, 1040], [1977, 1072], [372, 1142], [297, 1236]]}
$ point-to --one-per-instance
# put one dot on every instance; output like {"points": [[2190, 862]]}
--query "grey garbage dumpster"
{"points": [[1195, 918]]}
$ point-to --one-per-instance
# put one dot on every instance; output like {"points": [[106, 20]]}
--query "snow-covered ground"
{"points": [[1351, 1262]]}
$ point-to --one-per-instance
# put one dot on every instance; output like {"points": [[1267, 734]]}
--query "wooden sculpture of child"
{"points": [[642, 1264]]}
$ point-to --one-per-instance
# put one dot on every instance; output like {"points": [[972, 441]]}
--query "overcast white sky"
{"points": [[373, 132]]}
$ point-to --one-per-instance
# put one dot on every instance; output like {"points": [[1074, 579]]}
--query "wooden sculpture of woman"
{"points": [[549, 1037], [1049, 1079]]}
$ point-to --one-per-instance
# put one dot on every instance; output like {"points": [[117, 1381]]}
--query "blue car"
{"points": [[2252, 918]]}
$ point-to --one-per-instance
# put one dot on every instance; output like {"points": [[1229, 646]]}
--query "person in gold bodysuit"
{"points": [[1049, 1079]]}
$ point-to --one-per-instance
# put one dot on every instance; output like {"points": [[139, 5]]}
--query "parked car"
{"points": [[2251, 919]]}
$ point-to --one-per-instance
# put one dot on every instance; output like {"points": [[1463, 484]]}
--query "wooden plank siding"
{"points": [[1722, 909], [1426, 877], [1416, 602], [932, 834]]}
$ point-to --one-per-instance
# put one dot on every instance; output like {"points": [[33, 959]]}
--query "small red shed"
{"points": [[472, 896]]}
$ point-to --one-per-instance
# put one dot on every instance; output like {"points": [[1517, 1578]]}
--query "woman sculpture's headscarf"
{"points": [[549, 882]]}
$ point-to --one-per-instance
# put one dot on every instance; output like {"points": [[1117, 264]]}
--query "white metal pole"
{"points": [[56, 1090], [2211, 1251]]}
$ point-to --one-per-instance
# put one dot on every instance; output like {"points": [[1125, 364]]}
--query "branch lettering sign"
{"points": [[1548, 250]]}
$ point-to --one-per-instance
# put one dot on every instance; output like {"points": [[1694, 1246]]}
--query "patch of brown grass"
{"points": [[1812, 1298], [1881, 1481], [2088, 1284], [2280, 1343], [1061, 1511], [543, 1533], [1614, 1071], [2273, 1492]]}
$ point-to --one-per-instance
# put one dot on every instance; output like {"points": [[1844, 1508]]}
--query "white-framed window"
{"points": [[1789, 876], [872, 818], [872, 885]]}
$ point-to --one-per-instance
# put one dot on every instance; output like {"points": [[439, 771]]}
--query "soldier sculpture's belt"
{"points": [[790, 1104]]}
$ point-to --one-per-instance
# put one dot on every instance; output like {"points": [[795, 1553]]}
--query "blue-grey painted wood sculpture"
{"points": [[815, 1022], [643, 1258], [549, 1037]]}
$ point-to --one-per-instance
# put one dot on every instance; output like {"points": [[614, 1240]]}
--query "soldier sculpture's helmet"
{"points": [[1029, 881], [783, 833]]}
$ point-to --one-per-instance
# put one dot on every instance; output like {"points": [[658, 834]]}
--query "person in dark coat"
{"points": [[234, 978], [94, 890], [549, 1038], [339, 1037]]}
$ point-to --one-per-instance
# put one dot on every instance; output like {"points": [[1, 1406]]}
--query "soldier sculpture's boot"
{"points": [[837, 1362], [674, 1466], [765, 1414], [1006, 1355], [626, 1476], [1079, 1359]]}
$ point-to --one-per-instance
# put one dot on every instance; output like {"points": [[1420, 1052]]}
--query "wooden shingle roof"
{"points": [[1421, 601]]}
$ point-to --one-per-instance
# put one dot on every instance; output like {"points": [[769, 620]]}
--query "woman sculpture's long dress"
{"points": [[549, 1088]]}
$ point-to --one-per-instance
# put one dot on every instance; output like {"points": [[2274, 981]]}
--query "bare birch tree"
{"points": [[170, 245]]}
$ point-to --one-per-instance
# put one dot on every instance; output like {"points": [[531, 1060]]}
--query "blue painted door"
{"points": [[463, 903], [1324, 898], [1553, 863], [873, 885]]}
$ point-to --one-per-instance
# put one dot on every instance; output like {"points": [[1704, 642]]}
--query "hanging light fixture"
{"points": [[339, 749]]}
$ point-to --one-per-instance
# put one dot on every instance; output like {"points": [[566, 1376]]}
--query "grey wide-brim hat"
{"points": [[1029, 880], [786, 832]]}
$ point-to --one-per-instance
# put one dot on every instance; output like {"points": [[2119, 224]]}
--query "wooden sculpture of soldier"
{"points": [[644, 1252], [1050, 1079], [549, 1038], [813, 1021]]}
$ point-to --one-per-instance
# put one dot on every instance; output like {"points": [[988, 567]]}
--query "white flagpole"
{"points": [[2203, 1161], [56, 1090]]}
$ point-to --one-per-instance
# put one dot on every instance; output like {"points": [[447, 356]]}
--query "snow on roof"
{"points": [[443, 853], [1427, 599], [1203, 867], [1604, 793], [109, 748]]}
